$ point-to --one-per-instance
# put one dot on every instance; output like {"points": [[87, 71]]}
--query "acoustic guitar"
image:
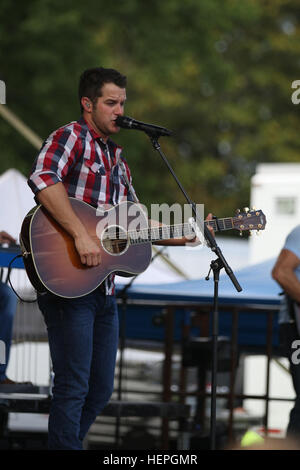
{"points": [[123, 235]]}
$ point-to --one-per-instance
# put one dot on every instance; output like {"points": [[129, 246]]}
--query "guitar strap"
{"points": [[128, 184]]}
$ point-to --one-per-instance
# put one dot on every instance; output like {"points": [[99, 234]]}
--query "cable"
{"points": [[8, 278]]}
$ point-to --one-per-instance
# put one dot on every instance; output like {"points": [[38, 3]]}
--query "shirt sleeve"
{"points": [[54, 160], [292, 242]]}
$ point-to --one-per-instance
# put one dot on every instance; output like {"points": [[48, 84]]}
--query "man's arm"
{"points": [[55, 199], [284, 273]]}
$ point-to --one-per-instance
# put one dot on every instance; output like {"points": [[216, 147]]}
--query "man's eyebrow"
{"points": [[115, 99]]}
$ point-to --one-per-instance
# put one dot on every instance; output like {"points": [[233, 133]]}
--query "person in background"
{"points": [[287, 273], [8, 305]]}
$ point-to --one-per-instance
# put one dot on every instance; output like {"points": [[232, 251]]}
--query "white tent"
{"points": [[16, 201]]}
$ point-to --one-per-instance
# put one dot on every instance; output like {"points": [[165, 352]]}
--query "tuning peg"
{"points": [[246, 209], [238, 213], [257, 233], [253, 208], [241, 233]]}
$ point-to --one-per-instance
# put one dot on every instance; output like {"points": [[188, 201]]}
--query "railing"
{"points": [[198, 315]]}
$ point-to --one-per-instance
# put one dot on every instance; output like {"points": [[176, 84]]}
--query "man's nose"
{"points": [[119, 110]]}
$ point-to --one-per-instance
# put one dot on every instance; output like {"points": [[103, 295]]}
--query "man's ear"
{"points": [[86, 104]]}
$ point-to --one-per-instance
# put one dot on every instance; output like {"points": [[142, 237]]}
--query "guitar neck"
{"points": [[167, 232]]}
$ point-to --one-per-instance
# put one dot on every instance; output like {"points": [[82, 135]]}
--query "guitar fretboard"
{"points": [[167, 232]]}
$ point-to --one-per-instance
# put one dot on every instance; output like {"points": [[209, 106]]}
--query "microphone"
{"points": [[129, 123]]}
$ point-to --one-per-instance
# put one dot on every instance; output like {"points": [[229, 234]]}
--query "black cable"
{"points": [[8, 279]]}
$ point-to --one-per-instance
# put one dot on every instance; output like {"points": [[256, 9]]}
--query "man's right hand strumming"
{"points": [[89, 252]]}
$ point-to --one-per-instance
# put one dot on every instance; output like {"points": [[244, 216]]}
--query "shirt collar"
{"points": [[96, 136], [93, 133]]}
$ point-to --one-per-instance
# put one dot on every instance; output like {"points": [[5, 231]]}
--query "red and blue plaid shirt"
{"points": [[89, 169]]}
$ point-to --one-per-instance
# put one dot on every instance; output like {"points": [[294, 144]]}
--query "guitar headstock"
{"points": [[253, 219]]}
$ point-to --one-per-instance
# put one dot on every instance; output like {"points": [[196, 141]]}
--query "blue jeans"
{"points": [[83, 339], [8, 305]]}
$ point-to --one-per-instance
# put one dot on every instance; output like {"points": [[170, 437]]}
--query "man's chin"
{"points": [[115, 129]]}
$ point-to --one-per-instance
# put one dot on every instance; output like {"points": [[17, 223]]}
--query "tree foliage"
{"points": [[218, 73]]}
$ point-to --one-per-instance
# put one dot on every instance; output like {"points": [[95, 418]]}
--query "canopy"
{"points": [[255, 280]]}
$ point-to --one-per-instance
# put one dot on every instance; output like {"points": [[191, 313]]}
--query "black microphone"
{"points": [[129, 123]]}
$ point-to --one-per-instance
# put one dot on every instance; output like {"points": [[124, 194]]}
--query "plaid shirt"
{"points": [[88, 168]]}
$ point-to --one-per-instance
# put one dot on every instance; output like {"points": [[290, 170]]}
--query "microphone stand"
{"points": [[216, 266], [124, 297]]}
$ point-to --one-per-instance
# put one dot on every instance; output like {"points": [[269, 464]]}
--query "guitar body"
{"points": [[52, 262]]}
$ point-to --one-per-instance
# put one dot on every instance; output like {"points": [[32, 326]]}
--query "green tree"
{"points": [[218, 73]]}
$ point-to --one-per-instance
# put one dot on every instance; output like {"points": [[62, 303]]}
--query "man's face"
{"points": [[107, 108]]}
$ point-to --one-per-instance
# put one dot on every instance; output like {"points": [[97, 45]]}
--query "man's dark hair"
{"points": [[92, 81]]}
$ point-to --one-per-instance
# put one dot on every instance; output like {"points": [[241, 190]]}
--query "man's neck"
{"points": [[96, 132]]}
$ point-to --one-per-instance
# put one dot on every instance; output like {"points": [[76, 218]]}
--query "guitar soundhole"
{"points": [[114, 240]]}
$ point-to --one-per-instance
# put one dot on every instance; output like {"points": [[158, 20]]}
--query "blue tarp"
{"points": [[259, 289], [256, 282]]}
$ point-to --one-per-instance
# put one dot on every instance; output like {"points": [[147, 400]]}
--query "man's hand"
{"points": [[88, 250], [193, 240], [6, 238], [210, 228]]}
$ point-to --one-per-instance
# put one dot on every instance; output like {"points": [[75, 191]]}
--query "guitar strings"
{"points": [[154, 233]]}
